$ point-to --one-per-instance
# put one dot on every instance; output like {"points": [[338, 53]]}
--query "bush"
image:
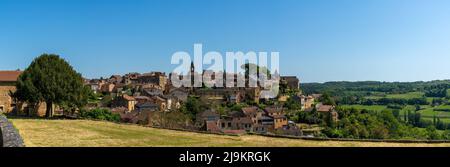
{"points": [[442, 109], [395, 106], [100, 114]]}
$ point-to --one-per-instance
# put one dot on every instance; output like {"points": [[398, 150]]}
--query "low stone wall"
{"points": [[9, 136]]}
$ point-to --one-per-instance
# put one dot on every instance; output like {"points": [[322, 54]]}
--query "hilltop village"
{"points": [[150, 99], [355, 110]]}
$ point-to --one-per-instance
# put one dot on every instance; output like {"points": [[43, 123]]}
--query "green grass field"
{"points": [[427, 111], [367, 107], [84, 133], [409, 95]]}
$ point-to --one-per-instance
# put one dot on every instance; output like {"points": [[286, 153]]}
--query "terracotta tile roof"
{"points": [[250, 110], [142, 98], [325, 108], [244, 120], [128, 98], [9, 76], [279, 116], [274, 109]]}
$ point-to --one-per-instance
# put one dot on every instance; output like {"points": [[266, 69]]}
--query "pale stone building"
{"points": [[8, 81], [7, 84]]}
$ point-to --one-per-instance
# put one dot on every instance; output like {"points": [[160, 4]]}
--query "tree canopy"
{"points": [[50, 79]]}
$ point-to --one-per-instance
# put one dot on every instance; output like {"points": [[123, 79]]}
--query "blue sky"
{"points": [[318, 40]]}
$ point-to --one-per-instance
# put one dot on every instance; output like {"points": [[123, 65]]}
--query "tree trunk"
{"points": [[49, 110]]}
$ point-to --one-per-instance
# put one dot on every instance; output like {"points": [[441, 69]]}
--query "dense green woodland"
{"points": [[367, 88], [395, 110]]}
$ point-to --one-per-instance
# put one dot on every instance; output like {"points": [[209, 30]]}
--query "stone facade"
{"points": [[292, 82], [6, 102]]}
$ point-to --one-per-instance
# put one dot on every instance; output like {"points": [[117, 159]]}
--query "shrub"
{"points": [[395, 106], [442, 109], [100, 114]]}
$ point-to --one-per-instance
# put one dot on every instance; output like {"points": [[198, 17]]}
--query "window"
{"points": [[223, 125], [2, 108]]}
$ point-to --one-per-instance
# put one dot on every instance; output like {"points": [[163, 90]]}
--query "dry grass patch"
{"points": [[85, 133]]}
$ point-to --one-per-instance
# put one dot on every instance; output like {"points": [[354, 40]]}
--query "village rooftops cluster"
{"points": [[139, 97], [248, 119]]}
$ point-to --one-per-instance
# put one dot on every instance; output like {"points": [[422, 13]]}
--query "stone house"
{"points": [[278, 116], [108, 88], [7, 85], [253, 113], [8, 80], [265, 124], [147, 106], [221, 95], [152, 92], [279, 121], [274, 110], [142, 99], [96, 85], [161, 102], [115, 79], [130, 78], [157, 78], [292, 82], [329, 110], [307, 102], [236, 120], [126, 101], [208, 120], [179, 93]]}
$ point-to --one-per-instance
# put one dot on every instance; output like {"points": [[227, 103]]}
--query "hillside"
{"points": [[433, 97], [84, 133]]}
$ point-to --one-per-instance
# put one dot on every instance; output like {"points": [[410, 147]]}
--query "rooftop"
{"points": [[9, 76]]}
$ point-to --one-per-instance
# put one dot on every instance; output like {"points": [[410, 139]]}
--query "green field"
{"points": [[427, 112], [84, 133], [409, 95], [367, 107]]}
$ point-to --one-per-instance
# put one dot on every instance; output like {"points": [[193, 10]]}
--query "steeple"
{"points": [[192, 67], [192, 73]]}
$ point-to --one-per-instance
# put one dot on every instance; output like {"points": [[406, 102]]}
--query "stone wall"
{"points": [[9, 135]]}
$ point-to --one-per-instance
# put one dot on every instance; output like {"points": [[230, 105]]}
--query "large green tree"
{"points": [[50, 79]]}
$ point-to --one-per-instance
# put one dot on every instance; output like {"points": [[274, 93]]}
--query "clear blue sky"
{"points": [[318, 40]]}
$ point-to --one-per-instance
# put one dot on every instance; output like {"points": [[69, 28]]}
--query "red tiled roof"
{"points": [[128, 98], [250, 110], [9, 76], [274, 109], [279, 116], [325, 108], [244, 120]]}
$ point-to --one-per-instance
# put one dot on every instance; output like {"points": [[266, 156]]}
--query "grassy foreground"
{"points": [[84, 133]]}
